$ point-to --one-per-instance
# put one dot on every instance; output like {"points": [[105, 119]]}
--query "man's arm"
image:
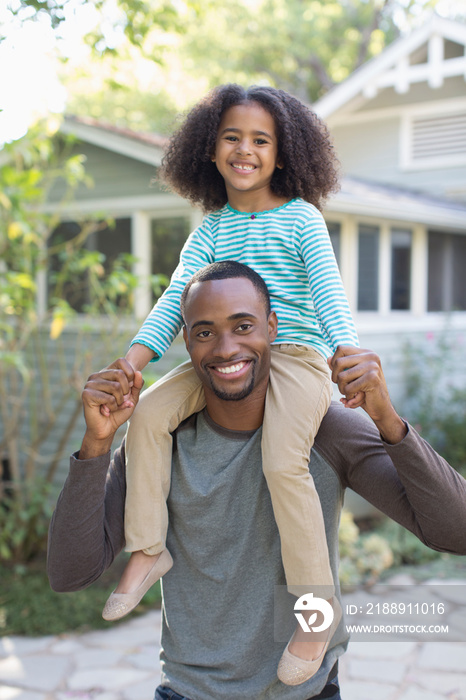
{"points": [[388, 463], [87, 528]]}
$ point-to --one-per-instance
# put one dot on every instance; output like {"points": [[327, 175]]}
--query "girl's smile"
{"points": [[246, 155]]}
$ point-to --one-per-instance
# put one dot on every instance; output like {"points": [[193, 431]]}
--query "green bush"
{"points": [[25, 513], [435, 395], [28, 606], [363, 557]]}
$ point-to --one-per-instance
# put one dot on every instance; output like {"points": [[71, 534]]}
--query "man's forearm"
{"points": [[391, 427], [91, 448], [87, 528]]}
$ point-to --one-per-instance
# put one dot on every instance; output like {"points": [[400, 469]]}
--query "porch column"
{"points": [[349, 260], [419, 271], [141, 249]]}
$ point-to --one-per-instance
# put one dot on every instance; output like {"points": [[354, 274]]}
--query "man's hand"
{"points": [[356, 370], [118, 387]]}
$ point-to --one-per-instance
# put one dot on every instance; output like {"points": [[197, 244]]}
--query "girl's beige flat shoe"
{"points": [[120, 604], [292, 670]]}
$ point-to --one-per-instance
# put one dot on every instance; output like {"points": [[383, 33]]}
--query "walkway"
{"points": [[120, 664]]}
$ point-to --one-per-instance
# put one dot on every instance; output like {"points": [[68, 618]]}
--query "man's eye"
{"points": [[245, 327], [204, 334]]}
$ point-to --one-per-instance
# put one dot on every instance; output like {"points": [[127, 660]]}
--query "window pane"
{"points": [[334, 230], [447, 265], [168, 237], [459, 273], [401, 270], [110, 241], [368, 278], [436, 274]]}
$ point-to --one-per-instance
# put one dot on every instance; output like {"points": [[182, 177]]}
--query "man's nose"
{"points": [[226, 346]]}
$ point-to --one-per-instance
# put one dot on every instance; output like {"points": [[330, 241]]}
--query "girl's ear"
{"points": [[279, 165], [212, 158]]}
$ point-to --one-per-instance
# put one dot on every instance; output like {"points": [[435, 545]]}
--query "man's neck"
{"points": [[246, 414]]}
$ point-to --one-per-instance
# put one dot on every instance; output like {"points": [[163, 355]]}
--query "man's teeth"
{"points": [[244, 167], [232, 368]]}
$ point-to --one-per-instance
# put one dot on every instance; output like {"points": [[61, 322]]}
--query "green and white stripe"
{"points": [[291, 249]]}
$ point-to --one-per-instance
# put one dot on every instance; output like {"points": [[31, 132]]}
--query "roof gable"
{"points": [[430, 54], [147, 148]]}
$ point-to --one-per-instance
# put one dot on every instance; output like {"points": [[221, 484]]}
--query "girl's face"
{"points": [[246, 154]]}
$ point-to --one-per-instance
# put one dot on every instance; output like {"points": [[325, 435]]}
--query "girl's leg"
{"points": [[148, 447], [298, 397]]}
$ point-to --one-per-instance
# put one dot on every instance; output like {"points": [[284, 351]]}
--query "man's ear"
{"points": [[185, 338], [273, 326]]}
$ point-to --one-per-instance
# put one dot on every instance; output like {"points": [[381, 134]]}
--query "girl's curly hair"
{"points": [[310, 166]]}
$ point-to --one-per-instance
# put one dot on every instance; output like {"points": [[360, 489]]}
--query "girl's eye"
{"points": [[260, 142], [231, 138]]}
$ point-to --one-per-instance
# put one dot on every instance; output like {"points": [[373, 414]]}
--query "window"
{"points": [[167, 238], [109, 240], [446, 270], [400, 270], [334, 229], [368, 265]]}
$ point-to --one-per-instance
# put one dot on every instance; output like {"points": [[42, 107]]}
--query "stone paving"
{"points": [[121, 664]]}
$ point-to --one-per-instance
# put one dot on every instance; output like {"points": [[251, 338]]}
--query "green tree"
{"points": [[41, 375]]}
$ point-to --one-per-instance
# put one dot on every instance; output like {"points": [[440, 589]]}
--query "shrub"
{"points": [[435, 394]]}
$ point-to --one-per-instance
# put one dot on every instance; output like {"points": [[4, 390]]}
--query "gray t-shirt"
{"points": [[218, 624], [218, 641]]}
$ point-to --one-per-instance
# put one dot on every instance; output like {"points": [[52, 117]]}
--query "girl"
{"points": [[262, 164]]}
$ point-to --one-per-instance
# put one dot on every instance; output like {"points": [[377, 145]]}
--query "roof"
{"points": [[361, 197], [145, 147], [392, 66]]}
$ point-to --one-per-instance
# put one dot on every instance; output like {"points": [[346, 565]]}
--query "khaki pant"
{"points": [[298, 397]]}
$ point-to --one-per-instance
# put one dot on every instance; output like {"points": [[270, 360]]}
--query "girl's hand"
{"points": [[354, 401]]}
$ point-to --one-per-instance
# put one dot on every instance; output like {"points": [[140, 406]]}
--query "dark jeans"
{"points": [[330, 692]]}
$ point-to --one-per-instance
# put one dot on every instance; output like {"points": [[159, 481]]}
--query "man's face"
{"points": [[228, 336]]}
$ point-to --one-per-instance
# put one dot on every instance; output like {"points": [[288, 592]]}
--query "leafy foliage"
{"points": [[29, 607], [363, 557], [435, 394], [40, 380]]}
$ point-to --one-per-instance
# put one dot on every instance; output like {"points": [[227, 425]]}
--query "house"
{"points": [[399, 126], [398, 225]]}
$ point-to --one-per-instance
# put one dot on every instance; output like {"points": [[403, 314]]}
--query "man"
{"points": [[218, 599]]}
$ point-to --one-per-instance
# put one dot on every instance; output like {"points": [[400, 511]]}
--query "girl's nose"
{"points": [[243, 148]]}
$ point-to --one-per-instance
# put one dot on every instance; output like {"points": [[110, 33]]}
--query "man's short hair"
{"points": [[224, 270]]}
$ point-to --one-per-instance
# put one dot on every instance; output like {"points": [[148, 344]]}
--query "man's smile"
{"points": [[232, 368]]}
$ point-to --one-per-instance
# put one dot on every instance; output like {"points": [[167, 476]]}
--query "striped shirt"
{"points": [[290, 248]]}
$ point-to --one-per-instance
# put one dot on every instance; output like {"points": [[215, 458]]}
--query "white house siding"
{"points": [[369, 150], [113, 176]]}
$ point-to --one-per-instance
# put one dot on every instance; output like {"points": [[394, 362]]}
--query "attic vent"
{"points": [[438, 137]]}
